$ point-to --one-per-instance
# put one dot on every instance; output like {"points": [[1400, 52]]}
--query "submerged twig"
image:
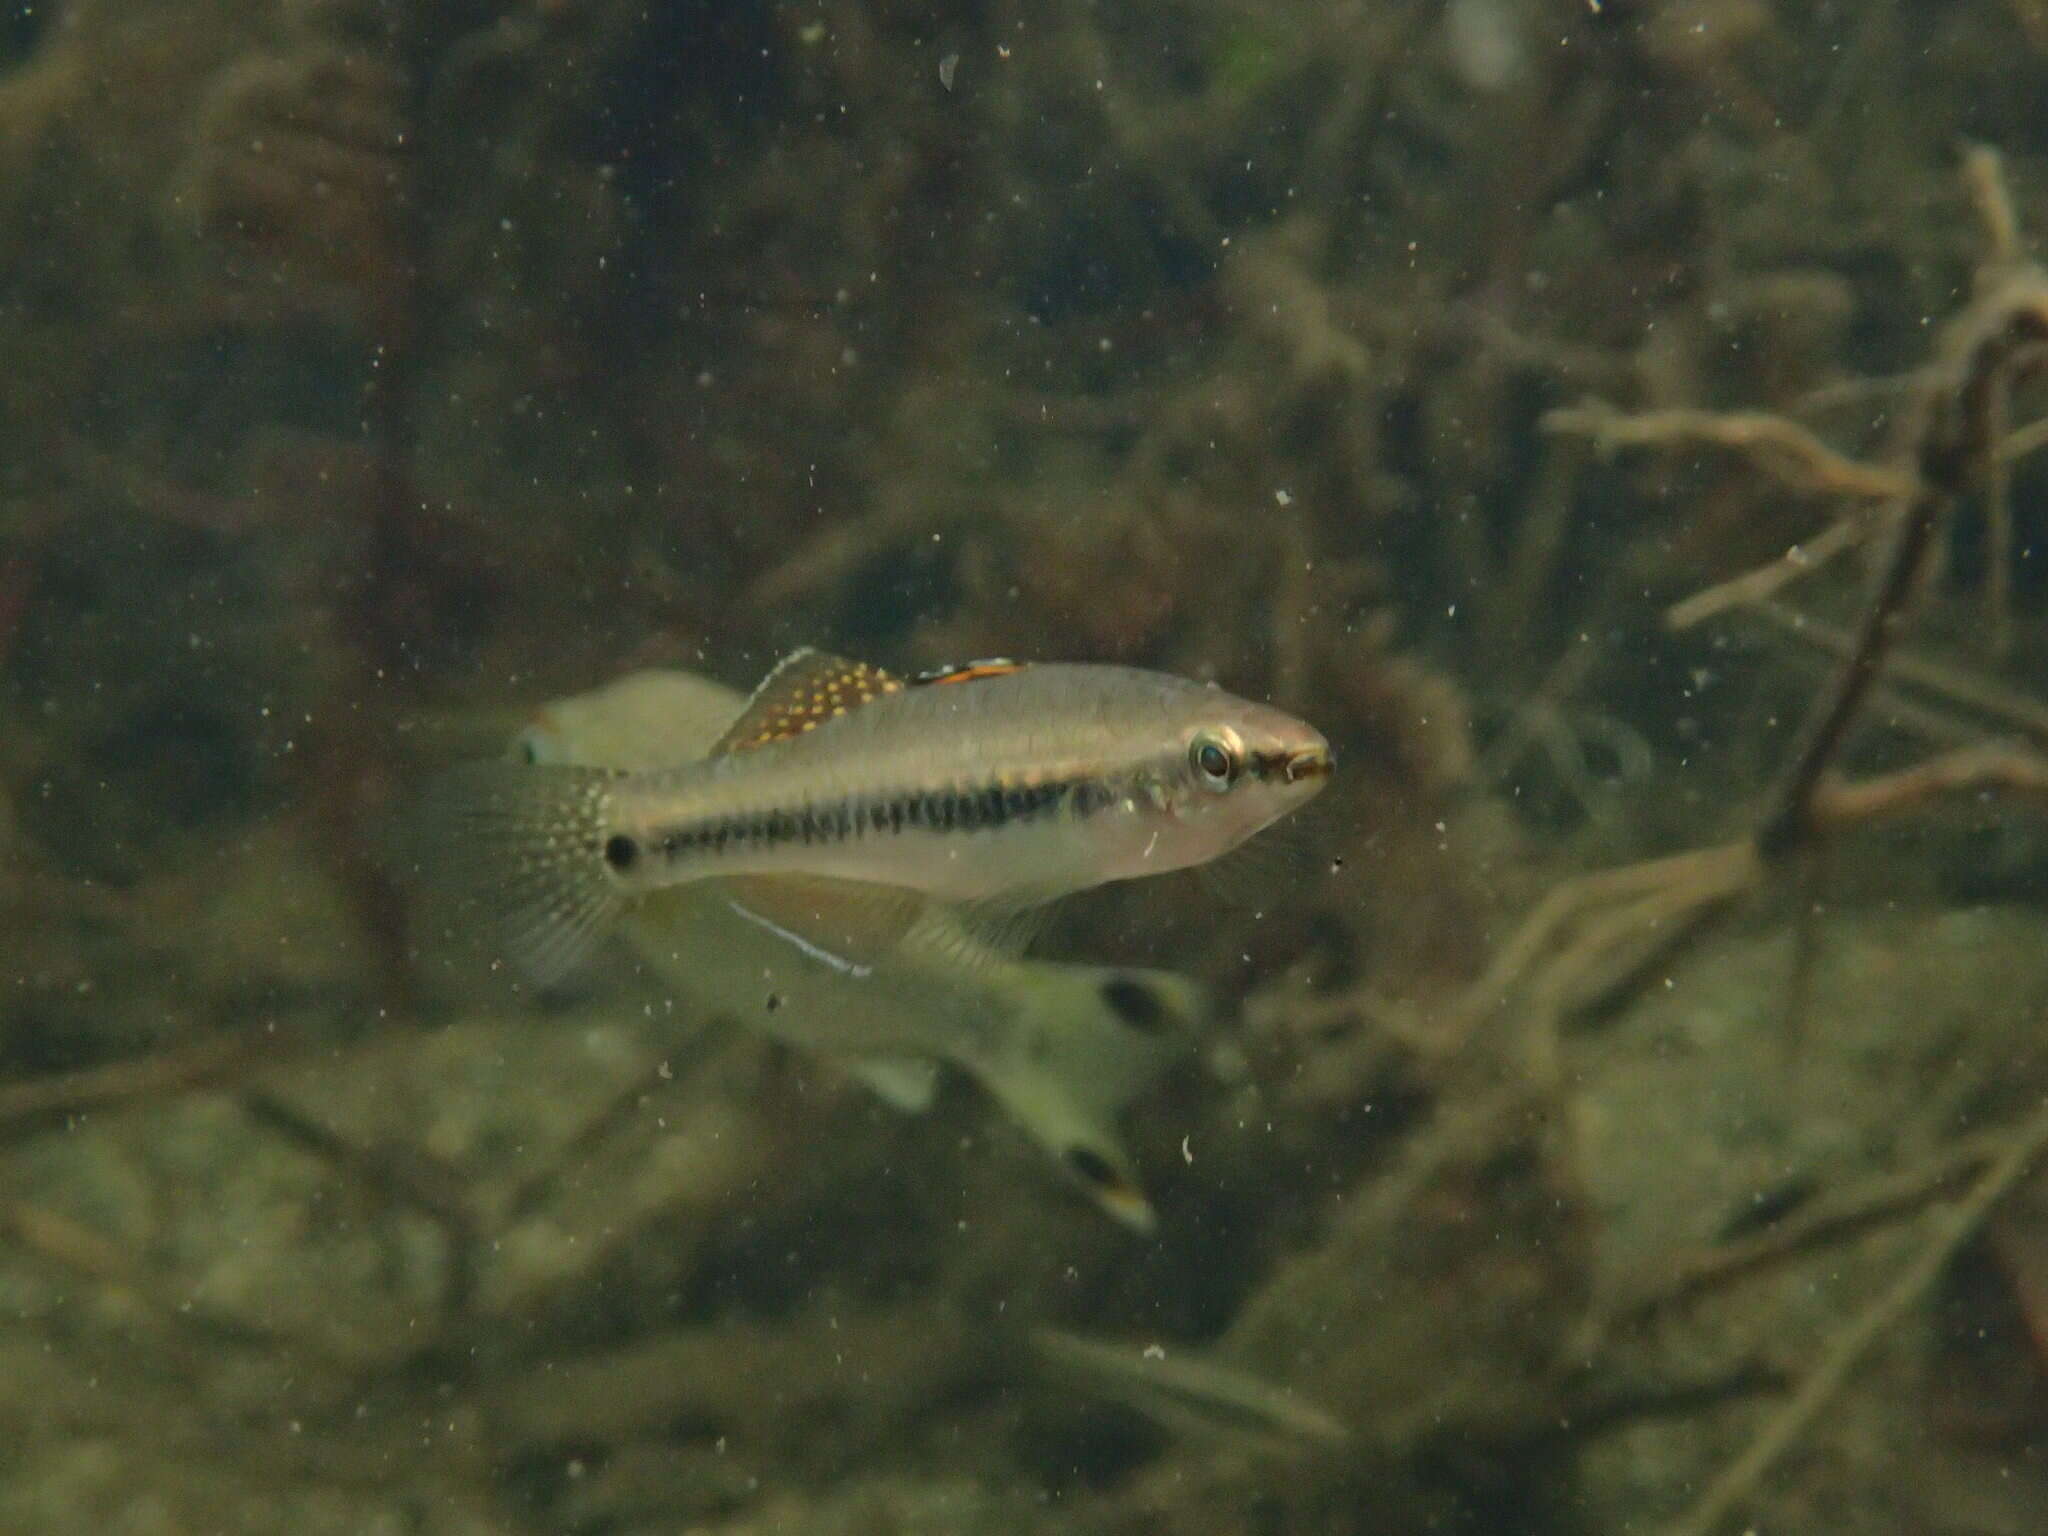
{"points": [[1766, 581], [1589, 934], [1830, 1218], [1948, 1231], [1968, 397], [2014, 770], [1791, 453], [403, 1175], [1984, 180], [1996, 338], [1189, 1392], [1952, 685], [169, 1071]]}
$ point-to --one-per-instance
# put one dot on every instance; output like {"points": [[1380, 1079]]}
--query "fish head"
{"points": [[1237, 766], [543, 740]]}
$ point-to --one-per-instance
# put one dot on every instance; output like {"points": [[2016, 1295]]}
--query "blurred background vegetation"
{"points": [[375, 371]]}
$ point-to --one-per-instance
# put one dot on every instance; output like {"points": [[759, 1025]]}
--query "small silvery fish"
{"points": [[1063, 1048], [994, 784]]}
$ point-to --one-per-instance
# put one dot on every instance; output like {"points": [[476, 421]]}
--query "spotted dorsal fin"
{"points": [[969, 671], [806, 689]]}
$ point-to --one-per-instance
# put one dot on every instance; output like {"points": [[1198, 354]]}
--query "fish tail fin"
{"points": [[518, 851], [1106, 1033], [1074, 1044], [1096, 1160]]}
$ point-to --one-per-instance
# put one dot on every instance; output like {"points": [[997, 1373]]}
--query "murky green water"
{"points": [[1531, 396]]}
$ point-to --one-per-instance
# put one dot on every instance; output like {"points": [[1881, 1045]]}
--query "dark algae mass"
{"points": [[1618, 1104]]}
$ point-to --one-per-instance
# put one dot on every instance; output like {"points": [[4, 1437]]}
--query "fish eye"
{"points": [[1214, 760]]}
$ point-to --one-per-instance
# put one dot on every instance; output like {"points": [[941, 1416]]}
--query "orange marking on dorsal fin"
{"points": [[969, 671], [805, 689]]}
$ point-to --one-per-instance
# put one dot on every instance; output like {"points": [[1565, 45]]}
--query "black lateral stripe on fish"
{"points": [[805, 690], [981, 809]]}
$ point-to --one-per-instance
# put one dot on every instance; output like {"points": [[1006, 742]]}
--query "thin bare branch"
{"points": [[1947, 1231]]}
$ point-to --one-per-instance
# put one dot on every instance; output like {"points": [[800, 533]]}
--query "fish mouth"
{"points": [[1307, 764]]}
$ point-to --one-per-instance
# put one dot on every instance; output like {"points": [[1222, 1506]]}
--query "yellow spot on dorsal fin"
{"points": [[805, 689]]}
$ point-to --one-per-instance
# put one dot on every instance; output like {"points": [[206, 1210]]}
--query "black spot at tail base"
{"points": [[1135, 1003]]}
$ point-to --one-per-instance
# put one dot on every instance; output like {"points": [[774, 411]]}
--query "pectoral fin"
{"points": [[852, 925]]}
